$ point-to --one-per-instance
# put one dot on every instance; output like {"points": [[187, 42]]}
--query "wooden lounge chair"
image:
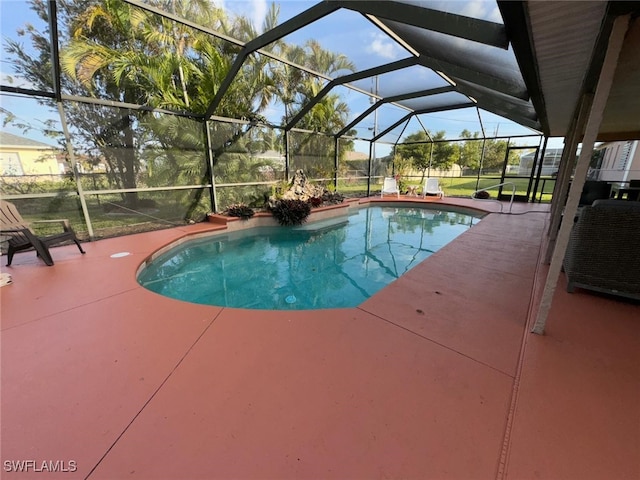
{"points": [[390, 186], [22, 237]]}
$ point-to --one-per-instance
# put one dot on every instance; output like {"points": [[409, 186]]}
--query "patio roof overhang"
{"points": [[561, 46]]}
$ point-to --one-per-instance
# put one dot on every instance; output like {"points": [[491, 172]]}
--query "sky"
{"points": [[349, 33], [345, 32]]}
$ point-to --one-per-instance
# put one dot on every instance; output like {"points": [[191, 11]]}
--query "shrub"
{"points": [[240, 210], [290, 212], [332, 198], [315, 201], [278, 188]]}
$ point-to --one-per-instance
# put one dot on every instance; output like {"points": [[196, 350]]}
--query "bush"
{"points": [[315, 201], [332, 198], [240, 210], [290, 212]]}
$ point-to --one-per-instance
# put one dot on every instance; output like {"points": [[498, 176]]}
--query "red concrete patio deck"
{"points": [[434, 377]]}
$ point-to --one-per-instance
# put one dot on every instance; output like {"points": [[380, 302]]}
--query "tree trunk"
{"points": [[129, 161]]}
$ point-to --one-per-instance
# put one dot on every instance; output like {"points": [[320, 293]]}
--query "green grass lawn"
{"points": [[465, 186], [170, 207], [459, 186]]}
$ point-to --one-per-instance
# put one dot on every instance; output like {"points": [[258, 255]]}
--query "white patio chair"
{"points": [[432, 187], [390, 186]]}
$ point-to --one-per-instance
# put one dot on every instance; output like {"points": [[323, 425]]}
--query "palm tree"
{"points": [[288, 78], [120, 51], [115, 51], [103, 55]]}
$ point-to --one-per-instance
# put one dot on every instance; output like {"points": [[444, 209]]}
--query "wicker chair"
{"points": [[602, 254]]}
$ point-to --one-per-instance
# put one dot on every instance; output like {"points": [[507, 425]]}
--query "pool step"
{"points": [[322, 225]]}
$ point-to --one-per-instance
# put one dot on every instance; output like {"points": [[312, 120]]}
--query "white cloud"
{"points": [[383, 46], [219, 3], [495, 15], [482, 9], [253, 10], [474, 9], [258, 12]]}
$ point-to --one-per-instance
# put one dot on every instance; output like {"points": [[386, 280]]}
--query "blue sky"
{"points": [[14, 14], [349, 33], [345, 32]]}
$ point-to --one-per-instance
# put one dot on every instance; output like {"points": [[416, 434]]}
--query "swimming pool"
{"points": [[332, 263]]}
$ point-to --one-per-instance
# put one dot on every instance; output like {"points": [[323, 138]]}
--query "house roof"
{"points": [[11, 140], [353, 155]]}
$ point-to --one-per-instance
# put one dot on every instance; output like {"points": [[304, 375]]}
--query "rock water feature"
{"points": [[294, 206], [300, 189]]}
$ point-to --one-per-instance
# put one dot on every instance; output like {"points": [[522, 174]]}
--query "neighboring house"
{"points": [[351, 155], [23, 156], [276, 158], [276, 163], [454, 170], [356, 164], [550, 162], [620, 161]]}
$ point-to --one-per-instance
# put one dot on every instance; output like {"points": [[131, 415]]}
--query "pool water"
{"points": [[328, 264]]}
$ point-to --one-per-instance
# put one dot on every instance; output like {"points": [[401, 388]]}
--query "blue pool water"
{"points": [[328, 264]]}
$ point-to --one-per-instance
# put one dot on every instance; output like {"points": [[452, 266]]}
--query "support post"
{"points": [[55, 57], [605, 81], [540, 154], [564, 174], [336, 164], [210, 164], [286, 155], [370, 167]]}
